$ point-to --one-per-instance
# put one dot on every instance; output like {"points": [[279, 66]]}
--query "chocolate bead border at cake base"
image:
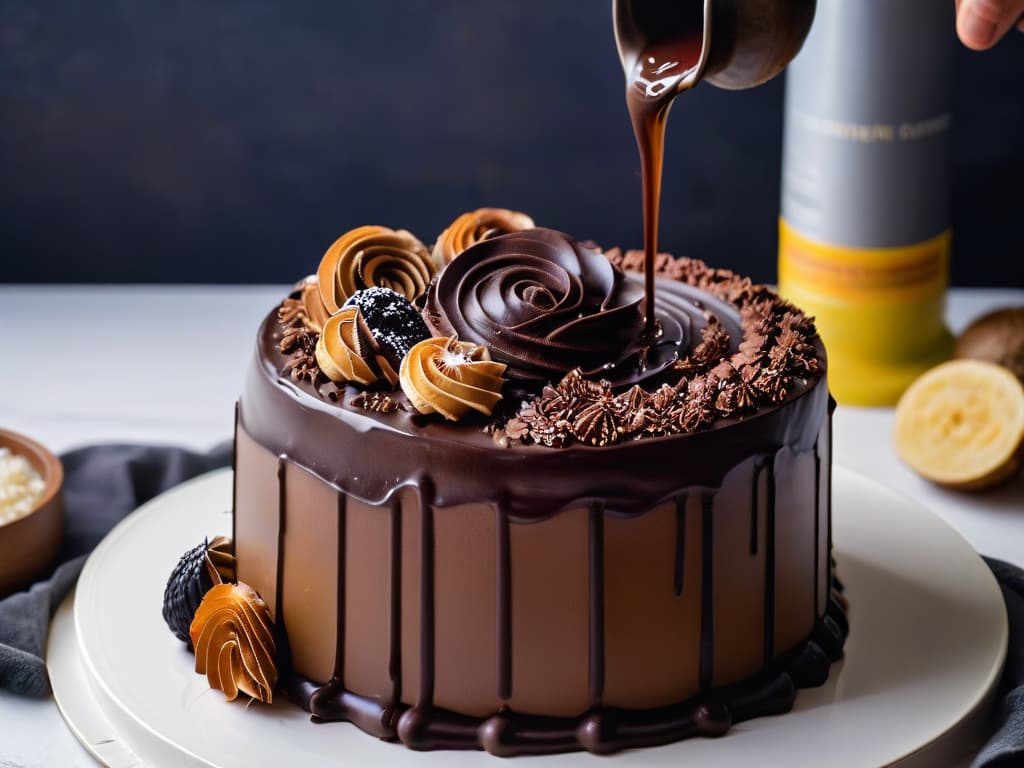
{"points": [[603, 730]]}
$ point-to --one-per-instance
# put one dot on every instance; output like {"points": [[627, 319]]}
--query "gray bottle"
{"points": [[864, 237]]}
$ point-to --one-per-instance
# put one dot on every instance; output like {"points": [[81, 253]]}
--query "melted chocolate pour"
{"points": [[661, 44]]}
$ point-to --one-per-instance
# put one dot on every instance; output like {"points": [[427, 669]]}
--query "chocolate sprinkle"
{"points": [[298, 342], [377, 402]]}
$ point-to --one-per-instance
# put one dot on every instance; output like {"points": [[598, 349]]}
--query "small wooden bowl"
{"points": [[29, 544]]}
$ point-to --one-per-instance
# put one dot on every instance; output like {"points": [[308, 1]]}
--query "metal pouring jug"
{"points": [[745, 42]]}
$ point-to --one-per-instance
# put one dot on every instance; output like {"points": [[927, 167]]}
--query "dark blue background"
{"points": [[233, 140]]}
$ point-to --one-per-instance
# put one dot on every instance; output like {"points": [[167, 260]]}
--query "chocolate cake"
{"points": [[488, 506]]}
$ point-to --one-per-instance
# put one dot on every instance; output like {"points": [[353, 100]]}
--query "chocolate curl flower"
{"points": [[475, 226], [451, 377], [234, 641], [540, 302], [346, 351], [373, 256]]}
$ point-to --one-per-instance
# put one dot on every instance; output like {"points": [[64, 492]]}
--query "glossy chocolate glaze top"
{"points": [[545, 304], [372, 455]]}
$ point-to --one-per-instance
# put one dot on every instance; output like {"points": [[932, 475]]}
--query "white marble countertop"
{"points": [[165, 364]]}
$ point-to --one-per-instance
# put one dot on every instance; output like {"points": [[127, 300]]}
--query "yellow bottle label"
{"points": [[879, 310], [857, 274]]}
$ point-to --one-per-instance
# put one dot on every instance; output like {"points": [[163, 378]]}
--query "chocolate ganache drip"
{"points": [[545, 305]]}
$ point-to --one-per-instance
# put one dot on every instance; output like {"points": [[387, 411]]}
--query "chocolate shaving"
{"points": [[377, 402], [516, 428], [299, 343], [545, 429], [290, 311], [714, 343]]}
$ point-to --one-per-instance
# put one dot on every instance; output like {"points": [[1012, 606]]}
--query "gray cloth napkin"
{"points": [[102, 484], [1006, 748]]}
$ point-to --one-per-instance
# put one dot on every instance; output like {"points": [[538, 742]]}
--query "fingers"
{"points": [[981, 23]]}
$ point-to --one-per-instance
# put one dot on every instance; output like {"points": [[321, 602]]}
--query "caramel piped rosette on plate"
{"points": [[233, 637], [474, 227], [373, 256], [347, 352], [196, 573], [450, 377]]}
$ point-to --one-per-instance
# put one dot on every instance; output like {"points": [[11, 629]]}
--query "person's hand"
{"points": [[982, 23]]}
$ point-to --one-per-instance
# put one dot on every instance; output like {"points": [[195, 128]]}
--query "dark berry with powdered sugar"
{"points": [[394, 322]]}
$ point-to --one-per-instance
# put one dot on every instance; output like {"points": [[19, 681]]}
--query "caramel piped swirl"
{"points": [[304, 306], [314, 313], [232, 633], [450, 377], [472, 227], [347, 352], [373, 256], [220, 560]]}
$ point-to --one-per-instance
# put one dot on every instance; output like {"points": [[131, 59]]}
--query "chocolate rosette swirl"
{"points": [[542, 303], [233, 637]]}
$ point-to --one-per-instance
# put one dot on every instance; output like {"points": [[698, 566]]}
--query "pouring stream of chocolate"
{"points": [[661, 45]]}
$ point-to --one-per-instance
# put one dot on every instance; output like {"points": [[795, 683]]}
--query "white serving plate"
{"points": [[927, 643]]}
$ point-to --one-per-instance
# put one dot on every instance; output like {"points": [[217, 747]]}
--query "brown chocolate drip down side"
{"points": [[395, 653], [817, 527], [417, 727], [828, 480], [596, 604], [707, 618], [427, 637], [282, 466], [755, 509], [680, 564], [769, 563], [339, 649], [504, 618]]}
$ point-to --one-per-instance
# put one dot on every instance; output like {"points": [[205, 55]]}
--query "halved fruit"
{"points": [[961, 424]]}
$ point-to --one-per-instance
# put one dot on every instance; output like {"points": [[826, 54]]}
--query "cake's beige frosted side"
{"points": [[652, 636]]}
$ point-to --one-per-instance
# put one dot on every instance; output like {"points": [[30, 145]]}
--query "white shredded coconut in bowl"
{"points": [[20, 486]]}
